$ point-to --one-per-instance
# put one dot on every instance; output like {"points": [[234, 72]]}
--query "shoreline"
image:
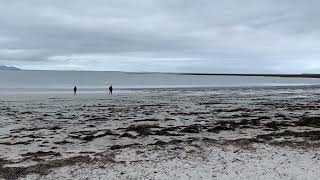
{"points": [[316, 76], [166, 87], [284, 75]]}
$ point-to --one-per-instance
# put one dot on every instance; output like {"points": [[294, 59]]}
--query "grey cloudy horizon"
{"points": [[230, 36]]}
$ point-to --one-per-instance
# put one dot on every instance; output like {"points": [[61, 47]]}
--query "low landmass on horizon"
{"points": [[303, 75], [2, 67]]}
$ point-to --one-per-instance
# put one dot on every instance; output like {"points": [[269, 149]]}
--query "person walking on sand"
{"points": [[75, 90], [110, 90]]}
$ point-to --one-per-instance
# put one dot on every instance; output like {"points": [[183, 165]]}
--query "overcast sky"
{"points": [[240, 36]]}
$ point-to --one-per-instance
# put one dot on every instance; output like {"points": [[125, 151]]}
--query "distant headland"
{"points": [[2, 67]]}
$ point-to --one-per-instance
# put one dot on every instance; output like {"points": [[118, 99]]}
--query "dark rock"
{"points": [[309, 121], [272, 125], [191, 129], [88, 138], [41, 154], [175, 141], [160, 143], [170, 128], [142, 129], [63, 142], [146, 120], [224, 126], [217, 129], [55, 128], [127, 135], [265, 137], [115, 147], [16, 143]]}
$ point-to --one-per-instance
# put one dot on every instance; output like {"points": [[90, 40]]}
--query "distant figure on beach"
{"points": [[75, 90], [110, 90]]}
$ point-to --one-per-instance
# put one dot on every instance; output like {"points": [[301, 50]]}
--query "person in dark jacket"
{"points": [[110, 90], [75, 90]]}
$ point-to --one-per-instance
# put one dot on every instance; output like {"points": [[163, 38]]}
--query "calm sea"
{"points": [[89, 81]]}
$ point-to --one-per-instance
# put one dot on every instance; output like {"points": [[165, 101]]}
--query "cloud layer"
{"points": [[156, 35]]}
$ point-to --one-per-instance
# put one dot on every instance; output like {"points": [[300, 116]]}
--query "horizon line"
{"points": [[301, 75]]}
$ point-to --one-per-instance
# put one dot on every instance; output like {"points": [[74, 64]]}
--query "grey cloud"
{"points": [[157, 35]]}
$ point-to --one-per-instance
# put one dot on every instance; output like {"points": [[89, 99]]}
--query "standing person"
{"points": [[110, 90], [75, 90]]}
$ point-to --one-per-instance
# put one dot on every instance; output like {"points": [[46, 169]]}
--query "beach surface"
{"points": [[178, 133]]}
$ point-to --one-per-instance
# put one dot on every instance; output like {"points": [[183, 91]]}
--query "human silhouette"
{"points": [[75, 90], [110, 90]]}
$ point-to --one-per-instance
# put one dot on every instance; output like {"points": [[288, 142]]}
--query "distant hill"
{"points": [[8, 68]]}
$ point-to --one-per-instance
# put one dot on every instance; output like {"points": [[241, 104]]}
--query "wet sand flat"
{"points": [[186, 133]]}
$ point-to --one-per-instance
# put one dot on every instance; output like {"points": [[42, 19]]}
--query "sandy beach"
{"points": [[178, 133]]}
